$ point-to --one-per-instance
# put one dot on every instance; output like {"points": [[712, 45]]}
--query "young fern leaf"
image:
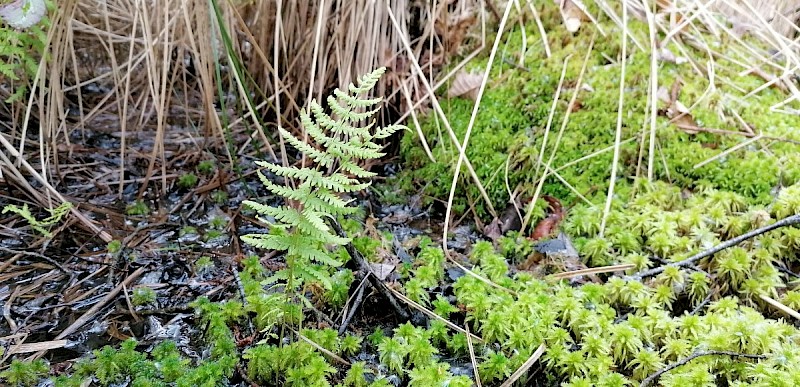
{"points": [[336, 146]]}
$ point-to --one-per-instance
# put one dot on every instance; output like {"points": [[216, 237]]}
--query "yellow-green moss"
{"points": [[514, 110]]}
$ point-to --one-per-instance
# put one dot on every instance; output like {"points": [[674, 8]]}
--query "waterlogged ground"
{"points": [[171, 247], [204, 309]]}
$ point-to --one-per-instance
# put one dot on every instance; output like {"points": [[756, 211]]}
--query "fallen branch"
{"points": [[354, 306], [90, 314], [373, 279], [652, 378], [790, 221]]}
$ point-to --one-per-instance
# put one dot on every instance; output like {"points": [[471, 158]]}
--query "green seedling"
{"points": [[143, 296], [206, 167], [187, 181], [137, 208]]}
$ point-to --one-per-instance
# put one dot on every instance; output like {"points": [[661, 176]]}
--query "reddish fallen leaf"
{"points": [[549, 225]]}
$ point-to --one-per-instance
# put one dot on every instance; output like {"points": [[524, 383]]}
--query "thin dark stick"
{"points": [[702, 303], [792, 220], [244, 376], [37, 255], [373, 280], [652, 378], [354, 306], [240, 286]]}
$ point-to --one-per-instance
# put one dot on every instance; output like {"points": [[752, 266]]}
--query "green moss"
{"points": [[206, 167], [512, 120], [143, 295], [188, 180], [138, 207], [21, 373]]}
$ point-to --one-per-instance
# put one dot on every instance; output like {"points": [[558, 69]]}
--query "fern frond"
{"points": [[355, 170], [304, 233], [268, 242], [8, 71], [337, 127], [353, 150], [280, 213], [315, 219], [316, 204], [318, 256], [367, 81], [280, 275], [341, 183], [318, 156], [303, 174], [388, 131], [328, 198], [311, 274], [354, 101], [298, 194], [346, 113], [17, 95]]}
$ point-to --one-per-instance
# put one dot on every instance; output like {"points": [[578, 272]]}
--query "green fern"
{"points": [[21, 49], [41, 226], [336, 146]]}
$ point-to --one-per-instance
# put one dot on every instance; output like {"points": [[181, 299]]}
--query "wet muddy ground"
{"points": [[72, 293]]}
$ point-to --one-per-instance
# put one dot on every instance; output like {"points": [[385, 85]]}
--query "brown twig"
{"points": [[354, 306], [96, 308], [374, 280], [652, 378], [37, 255], [790, 221]]}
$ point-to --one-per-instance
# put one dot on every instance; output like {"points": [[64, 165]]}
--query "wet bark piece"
{"points": [[509, 220]]}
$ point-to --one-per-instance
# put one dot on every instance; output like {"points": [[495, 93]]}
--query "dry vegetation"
{"points": [[186, 77], [169, 83]]}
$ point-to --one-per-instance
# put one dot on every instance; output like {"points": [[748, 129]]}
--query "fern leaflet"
{"points": [[336, 146]]}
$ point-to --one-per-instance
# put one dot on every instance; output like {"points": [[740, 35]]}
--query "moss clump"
{"points": [[512, 121], [621, 331]]}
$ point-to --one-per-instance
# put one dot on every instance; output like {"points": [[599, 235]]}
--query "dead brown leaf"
{"points": [[454, 29], [678, 114], [572, 13], [465, 84]]}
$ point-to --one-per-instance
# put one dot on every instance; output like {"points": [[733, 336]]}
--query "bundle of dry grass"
{"points": [[181, 76]]}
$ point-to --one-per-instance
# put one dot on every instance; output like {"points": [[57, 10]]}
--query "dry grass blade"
{"points": [[431, 314], [462, 150], [102, 303], [442, 115], [728, 151], [525, 366], [618, 131], [417, 126], [50, 190], [540, 26], [472, 357], [565, 120], [35, 347], [321, 349], [458, 67], [653, 95], [592, 270], [779, 306]]}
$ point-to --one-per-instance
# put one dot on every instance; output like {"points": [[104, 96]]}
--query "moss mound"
{"points": [[712, 76]]}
